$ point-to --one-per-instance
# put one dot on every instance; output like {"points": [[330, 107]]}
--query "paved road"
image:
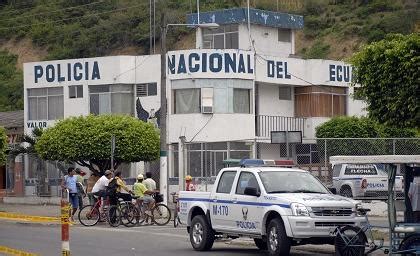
{"points": [[103, 240]]}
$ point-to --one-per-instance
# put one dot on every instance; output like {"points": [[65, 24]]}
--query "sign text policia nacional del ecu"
{"points": [[184, 63]]}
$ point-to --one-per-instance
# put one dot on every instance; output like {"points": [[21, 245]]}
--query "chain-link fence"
{"points": [[204, 160]]}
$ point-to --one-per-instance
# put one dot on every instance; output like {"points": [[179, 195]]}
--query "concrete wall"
{"points": [[270, 104]]}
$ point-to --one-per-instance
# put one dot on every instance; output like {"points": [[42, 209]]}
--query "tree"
{"points": [[388, 73], [3, 145], [86, 140]]}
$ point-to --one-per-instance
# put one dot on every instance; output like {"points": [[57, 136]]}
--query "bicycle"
{"points": [[90, 214], [159, 213], [352, 240], [177, 220]]}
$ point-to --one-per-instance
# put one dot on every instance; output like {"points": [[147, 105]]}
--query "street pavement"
{"points": [[45, 238]]}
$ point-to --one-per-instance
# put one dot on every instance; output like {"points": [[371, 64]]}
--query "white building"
{"points": [[225, 98]]}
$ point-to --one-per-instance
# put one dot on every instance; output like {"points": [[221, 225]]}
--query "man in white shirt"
{"points": [[99, 189], [149, 182]]}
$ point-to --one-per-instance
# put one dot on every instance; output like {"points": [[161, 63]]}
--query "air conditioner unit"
{"points": [[207, 109]]}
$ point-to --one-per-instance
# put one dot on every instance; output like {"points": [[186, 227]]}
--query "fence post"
{"points": [[65, 214], [393, 146]]}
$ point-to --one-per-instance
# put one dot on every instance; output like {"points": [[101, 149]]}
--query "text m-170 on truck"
{"points": [[276, 206]]}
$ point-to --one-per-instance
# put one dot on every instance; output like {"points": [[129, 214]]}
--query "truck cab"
{"points": [[277, 206]]}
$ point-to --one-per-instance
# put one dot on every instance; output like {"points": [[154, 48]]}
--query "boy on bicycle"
{"points": [[144, 195]]}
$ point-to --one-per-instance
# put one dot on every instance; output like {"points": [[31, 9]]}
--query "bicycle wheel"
{"points": [[161, 214], [350, 241], [411, 245], [129, 215], [114, 216], [89, 215]]}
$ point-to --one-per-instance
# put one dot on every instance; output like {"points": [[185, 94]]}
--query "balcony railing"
{"points": [[264, 124]]}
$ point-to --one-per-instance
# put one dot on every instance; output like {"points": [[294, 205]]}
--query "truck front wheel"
{"points": [[201, 235], [277, 241]]}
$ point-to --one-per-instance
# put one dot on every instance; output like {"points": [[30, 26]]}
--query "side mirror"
{"points": [[333, 190], [250, 191]]}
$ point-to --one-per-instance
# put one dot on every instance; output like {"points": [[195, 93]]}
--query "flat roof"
{"points": [[257, 16]]}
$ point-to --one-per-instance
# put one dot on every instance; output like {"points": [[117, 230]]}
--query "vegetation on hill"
{"points": [[87, 28]]}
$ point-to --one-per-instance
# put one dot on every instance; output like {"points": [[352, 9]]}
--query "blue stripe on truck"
{"points": [[232, 202]]}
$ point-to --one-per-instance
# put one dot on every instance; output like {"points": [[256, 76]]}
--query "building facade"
{"points": [[242, 82]]}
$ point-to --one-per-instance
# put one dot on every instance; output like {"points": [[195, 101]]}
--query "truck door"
{"points": [[220, 201], [248, 209]]}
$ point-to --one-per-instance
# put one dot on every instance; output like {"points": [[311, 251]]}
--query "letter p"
{"points": [[38, 72]]}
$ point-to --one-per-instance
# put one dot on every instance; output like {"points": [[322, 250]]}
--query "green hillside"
{"points": [[59, 29]]}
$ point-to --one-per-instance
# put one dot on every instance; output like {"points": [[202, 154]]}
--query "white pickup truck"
{"points": [[277, 206], [364, 181]]}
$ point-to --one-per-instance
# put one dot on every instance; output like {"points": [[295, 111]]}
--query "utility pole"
{"points": [[163, 182]]}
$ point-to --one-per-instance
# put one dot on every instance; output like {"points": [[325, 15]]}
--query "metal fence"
{"points": [[204, 160]]}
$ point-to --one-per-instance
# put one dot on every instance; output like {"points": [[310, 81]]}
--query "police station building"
{"points": [[226, 96]]}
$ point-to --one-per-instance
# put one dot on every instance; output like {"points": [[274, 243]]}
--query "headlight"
{"points": [[358, 213], [299, 209]]}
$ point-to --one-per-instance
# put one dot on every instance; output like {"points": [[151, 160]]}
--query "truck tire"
{"points": [[346, 191], [201, 234], [277, 241], [410, 242], [261, 244]]}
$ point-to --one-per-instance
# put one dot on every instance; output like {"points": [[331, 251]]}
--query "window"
{"points": [[307, 153], [320, 101], [224, 37], [143, 90], [360, 169], [227, 95], [246, 179], [336, 170], [45, 103], [241, 101], [187, 101], [285, 93], [226, 182], [75, 91], [111, 99], [285, 35]]}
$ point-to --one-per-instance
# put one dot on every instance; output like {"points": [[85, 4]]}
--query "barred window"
{"points": [[144, 90], [117, 98], [45, 103]]}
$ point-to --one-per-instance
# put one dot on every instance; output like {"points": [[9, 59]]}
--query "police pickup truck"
{"points": [[364, 181], [276, 206]]}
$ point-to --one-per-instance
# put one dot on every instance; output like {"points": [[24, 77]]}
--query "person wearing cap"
{"points": [[99, 189], [140, 191], [189, 186]]}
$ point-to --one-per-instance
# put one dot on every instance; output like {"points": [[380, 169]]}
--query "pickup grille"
{"points": [[327, 212], [332, 224]]}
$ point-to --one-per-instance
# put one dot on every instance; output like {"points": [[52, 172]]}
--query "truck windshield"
{"points": [[291, 182]]}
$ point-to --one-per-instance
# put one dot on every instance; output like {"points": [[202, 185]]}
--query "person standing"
{"points": [[140, 191], [80, 186], [69, 182], [89, 186], [189, 186]]}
